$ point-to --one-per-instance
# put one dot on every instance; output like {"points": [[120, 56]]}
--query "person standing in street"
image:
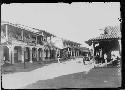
{"points": [[84, 60], [105, 58], [58, 58]]}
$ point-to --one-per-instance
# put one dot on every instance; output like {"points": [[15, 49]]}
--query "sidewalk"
{"points": [[21, 79]]}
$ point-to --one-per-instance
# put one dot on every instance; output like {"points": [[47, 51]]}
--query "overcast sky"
{"points": [[77, 21]]}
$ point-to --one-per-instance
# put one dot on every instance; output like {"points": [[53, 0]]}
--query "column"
{"points": [[37, 56], [31, 55], [120, 51], [93, 52], [49, 53], [36, 39], [23, 49], [56, 52], [12, 55], [22, 35], [74, 53], [43, 54], [6, 33], [71, 53], [119, 46]]}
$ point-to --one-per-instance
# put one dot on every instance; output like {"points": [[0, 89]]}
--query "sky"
{"points": [[77, 22]]}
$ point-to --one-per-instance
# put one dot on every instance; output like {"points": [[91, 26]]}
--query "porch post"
{"points": [[71, 52], [119, 51], [36, 39], [37, 56], [22, 35], [74, 53], [93, 47], [6, 33], [119, 46], [12, 55], [31, 55], [43, 54], [23, 49], [48, 53]]}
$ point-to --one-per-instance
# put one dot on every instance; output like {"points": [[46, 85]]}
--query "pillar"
{"points": [[12, 54], [48, 53], [6, 33], [119, 51], [36, 39], [23, 49], [57, 51], [93, 47], [119, 46], [31, 55], [71, 53], [37, 55], [43, 55], [74, 53], [22, 35]]}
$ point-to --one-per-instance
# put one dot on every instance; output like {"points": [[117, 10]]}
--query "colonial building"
{"points": [[106, 44], [72, 49], [25, 44], [21, 43]]}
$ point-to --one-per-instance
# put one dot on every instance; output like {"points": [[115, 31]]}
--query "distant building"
{"points": [[72, 49]]}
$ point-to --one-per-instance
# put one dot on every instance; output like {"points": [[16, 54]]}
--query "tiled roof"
{"points": [[114, 34]]}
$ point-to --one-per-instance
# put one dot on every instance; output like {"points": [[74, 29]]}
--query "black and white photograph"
{"points": [[60, 45]]}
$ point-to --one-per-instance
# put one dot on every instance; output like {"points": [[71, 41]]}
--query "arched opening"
{"points": [[40, 51], [6, 53], [46, 51], [34, 54], [27, 54], [53, 54], [17, 54]]}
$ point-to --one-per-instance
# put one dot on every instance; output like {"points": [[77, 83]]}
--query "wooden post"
{"points": [[22, 35], [1, 55], [36, 39], [23, 60], [12, 54], [119, 46], [31, 55], [93, 47], [6, 33], [37, 56]]}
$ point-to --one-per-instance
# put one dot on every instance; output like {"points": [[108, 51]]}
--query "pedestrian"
{"points": [[105, 58], [84, 60], [58, 58]]}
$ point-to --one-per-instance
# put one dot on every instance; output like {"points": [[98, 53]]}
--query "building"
{"points": [[25, 44], [72, 49], [106, 44], [21, 43]]}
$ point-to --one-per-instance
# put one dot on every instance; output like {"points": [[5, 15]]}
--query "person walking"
{"points": [[84, 60]]}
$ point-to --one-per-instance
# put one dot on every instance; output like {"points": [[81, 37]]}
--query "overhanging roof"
{"points": [[115, 33]]}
